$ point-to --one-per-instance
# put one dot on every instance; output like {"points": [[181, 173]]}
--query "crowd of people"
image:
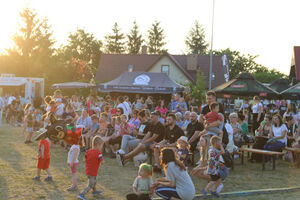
{"points": [[132, 129]]}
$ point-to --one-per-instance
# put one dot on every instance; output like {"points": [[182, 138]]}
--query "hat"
{"points": [[42, 133], [183, 138]]}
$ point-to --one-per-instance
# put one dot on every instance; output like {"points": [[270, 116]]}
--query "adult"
{"points": [[85, 121], [69, 114], [292, 130], [124, 105], [257, 112], [134, 122], [130, 142], [156, 133], [210, 98], [179, 121], [291, 111], [193, 130], [2, 107], [177, 183], [261, 138], [282, 107], [186, 120], [173, 133], [174, 103], [237, 130], [278, 138]]}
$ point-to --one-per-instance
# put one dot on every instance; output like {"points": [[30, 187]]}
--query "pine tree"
{"points": [[115, 41], [195, 41], [134, 40], [156, 38]]}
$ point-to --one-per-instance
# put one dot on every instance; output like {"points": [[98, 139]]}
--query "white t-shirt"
{"points": [[255, 108], [126, 108], [277, 131], [71, 153]]}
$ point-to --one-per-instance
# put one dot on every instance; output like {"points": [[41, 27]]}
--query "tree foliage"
{"points": [[33, 52], [195, 40], [156, 39], [198, 90], [134, 40], [115, 41]]}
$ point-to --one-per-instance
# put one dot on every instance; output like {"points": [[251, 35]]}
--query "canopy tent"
{"points": [[71, 85], [141, 82], [245, 85], [280, 85], [292, 92]]}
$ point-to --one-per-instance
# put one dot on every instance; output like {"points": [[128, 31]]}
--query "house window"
{"points": [[165, 69]]}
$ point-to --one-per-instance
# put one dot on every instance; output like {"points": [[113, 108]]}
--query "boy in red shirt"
{"points": [[43, 158], [212, 117], [93, 159]]}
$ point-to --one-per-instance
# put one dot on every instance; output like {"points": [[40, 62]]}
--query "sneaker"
{"points": [[97, 192], [36, 178], [204, 193], [198, 163], [219, 189], [72, 188], [215, 194], [81, 196], [121, 151], [120, 158], [49, 178]]}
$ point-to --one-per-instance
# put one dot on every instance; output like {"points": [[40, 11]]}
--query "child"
{"points": [[95, 127], [183, 149], [142, 186], [93, 159], [215, 166], [73, 163], [28, 122], [212, 117], [43, 158], [115, 122]]}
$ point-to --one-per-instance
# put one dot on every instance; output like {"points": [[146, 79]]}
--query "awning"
{"points": [[71, 85], [142, 82], [12, 81], [292, 92]]}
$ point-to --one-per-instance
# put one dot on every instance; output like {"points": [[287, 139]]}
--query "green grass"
{"points": [[18, 166]]}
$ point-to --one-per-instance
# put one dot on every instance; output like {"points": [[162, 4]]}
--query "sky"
{"points": [[267, 28]]}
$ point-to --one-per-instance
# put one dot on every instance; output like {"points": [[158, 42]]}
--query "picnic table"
{"points": [[264, 153]]}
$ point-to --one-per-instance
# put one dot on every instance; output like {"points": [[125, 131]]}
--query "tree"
{"points": [[197, 90], [156, 38], [83, 47], [195, 41], [33, 49], [268, 76], [134, 40], [114, 41]]}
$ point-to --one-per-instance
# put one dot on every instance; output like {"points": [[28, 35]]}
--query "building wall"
{"points": [[174, 72]]}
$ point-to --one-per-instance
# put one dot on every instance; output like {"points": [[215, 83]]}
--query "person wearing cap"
{"points": [[155, 134], [173, 133]]}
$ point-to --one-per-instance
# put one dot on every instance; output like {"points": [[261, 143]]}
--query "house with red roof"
{"points": [[295, 65], [180, 68]]}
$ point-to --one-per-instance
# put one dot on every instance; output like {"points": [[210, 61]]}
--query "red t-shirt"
{"points": [[212, 117], [46, 149], [93, 159]]}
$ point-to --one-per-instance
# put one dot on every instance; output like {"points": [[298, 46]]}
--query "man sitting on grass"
{"points": [[155, 134]]}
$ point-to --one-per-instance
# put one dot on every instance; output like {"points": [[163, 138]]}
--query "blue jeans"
{"points": [[274, 147]]}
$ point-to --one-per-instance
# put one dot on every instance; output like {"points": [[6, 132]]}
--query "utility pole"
{"points": [[211, 46]]}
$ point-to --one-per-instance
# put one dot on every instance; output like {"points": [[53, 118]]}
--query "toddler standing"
{"points": [[73, 164], [93, 159]]}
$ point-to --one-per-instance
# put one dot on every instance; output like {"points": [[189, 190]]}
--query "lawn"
{"points": [[18, 166]]}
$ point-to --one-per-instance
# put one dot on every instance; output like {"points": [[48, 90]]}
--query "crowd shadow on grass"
{"points": [[11, 156], [3, 188], [56, 194]]}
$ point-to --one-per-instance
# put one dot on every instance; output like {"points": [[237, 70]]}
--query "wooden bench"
{"points": [[264, 153], [296, 155], [295, 150]]}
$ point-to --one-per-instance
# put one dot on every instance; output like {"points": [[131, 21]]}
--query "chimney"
{"points": [[144, 49], [130, 68], [192, 62]]}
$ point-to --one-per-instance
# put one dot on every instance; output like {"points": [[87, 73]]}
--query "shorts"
{"points": [[43, 163], [73, 168], [29, 129], [215, 177], [148, 145], [117, 140]]}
